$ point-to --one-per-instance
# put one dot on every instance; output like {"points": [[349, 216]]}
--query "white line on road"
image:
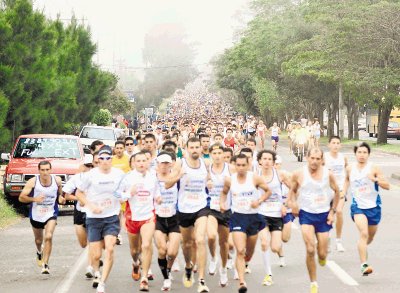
{"points": [[65, 285], [341, 274]]}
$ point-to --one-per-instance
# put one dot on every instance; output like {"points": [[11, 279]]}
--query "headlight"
{"points": [[15, 177]]}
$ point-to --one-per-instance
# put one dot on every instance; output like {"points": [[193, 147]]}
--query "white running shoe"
{"points": [[150, 275], [166, 285], [212, 269], [101, 288], [223, 277], [175, 266], [235, 274], [282, 262], [339, 247], [89, 272], [170, 276], [229, 264]]}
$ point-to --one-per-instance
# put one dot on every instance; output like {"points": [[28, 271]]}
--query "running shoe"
{"points": [[166, 285], [267, 280], [136, 272], [89, 272], [45, 269], [150, 275], [322, 262], [144, 285], [339, 247], [247, 270], [119, 239], [366, 269], [282, 262], [242, 288], [212, 269], [229, 264], [96, 279], [170, 276], [175, 266], [202, 287], [101, 288], [188, 279], [235, 274], [39, 258], [313, 288], [223, 277]]}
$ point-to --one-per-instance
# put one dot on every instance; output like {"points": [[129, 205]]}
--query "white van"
{"points": [[90, 133]]}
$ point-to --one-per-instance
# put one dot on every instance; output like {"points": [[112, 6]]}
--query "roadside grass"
{"points": [[8, 215], [390, 148]]}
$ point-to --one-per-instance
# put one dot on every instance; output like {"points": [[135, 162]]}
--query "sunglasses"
{"points": [[127, 144], [104, 158]]}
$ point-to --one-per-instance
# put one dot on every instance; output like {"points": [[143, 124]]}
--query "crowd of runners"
{"points": [[199, 178]]}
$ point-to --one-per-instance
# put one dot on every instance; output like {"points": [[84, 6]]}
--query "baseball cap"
{"points": [[164, 158], [105, 150]]}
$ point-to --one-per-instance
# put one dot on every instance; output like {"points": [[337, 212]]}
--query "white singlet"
{"points": [[41, 212], [169, 197], [315, 196], [218, 185], [274, 131], [272, 207], [99, 189], [364, 190], [337, 167], [243, 194], [192, 195]]}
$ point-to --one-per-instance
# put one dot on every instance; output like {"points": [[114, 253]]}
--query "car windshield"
{"points": [[393, 125], [97, 133], [47, 148]]}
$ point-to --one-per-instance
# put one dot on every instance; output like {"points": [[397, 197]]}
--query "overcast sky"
{"points": [[119, 26]]}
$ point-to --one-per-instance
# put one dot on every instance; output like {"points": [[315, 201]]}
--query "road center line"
{"points": [[341, 274], [65, 285]]}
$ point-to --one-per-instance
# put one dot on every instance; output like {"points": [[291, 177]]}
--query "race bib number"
{"points": [[164, 211], [43, 210], [214, 203], [244, 204], [363, 189], [106, 203], [192, 198]]}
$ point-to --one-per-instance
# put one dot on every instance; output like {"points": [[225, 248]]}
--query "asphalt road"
{"points": [[19, 273]]}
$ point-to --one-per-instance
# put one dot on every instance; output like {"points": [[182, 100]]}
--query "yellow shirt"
{"points": [[121, 163]]}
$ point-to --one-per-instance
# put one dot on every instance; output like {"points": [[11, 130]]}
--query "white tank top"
{"points": [[337, 167], [169, 197], [43, 211], [274, 131], [192, 195], [142, 203], [315, 196], [243, 194], [272, 207], [364, 190], [218, 185]]}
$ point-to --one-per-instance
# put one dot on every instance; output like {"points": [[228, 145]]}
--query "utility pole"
{"points": [[341, 111]]}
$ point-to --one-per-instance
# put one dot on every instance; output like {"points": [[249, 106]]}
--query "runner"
{"points": [[229, 140], [151, 146], [364, 180], [129, 146], [261, 128], [121, 161], [337, 164], [272, 210], [41, 192], [218, 223], [317, 133], [310, 134], [310, 198], [95, 193], [228, 154], [79, 216], [245, 221], [167, 235], [193, 211], [275, 130], [290, 133], [205, 144]]}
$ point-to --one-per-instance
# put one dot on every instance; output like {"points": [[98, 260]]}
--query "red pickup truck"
{"points": [[64, 152]]}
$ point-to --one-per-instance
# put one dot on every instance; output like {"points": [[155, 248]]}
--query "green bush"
{"points": [[102, 117]]}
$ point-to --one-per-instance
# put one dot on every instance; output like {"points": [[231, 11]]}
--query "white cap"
{"points": [[278, 159], [164, 158]]}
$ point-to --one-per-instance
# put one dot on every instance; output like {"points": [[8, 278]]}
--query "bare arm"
{"points": [[24, 195], [293, 193], [379, 178], [174, 177], [335, 188], [346, 182], [260, 183], [61, 198]]}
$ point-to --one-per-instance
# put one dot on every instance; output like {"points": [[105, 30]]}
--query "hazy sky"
{"points": [[119, 26]]}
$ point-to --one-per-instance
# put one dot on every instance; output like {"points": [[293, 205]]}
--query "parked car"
{"points": [[362, 125], [393, 130], [64, 152], [90, 133]]}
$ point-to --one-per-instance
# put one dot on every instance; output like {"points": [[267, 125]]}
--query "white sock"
{"points": [[267, 261], [338, 239], [314, 283]]}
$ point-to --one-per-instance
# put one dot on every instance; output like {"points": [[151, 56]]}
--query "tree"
{"points": [[102, 117], [4, 132], [117, 103]]}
